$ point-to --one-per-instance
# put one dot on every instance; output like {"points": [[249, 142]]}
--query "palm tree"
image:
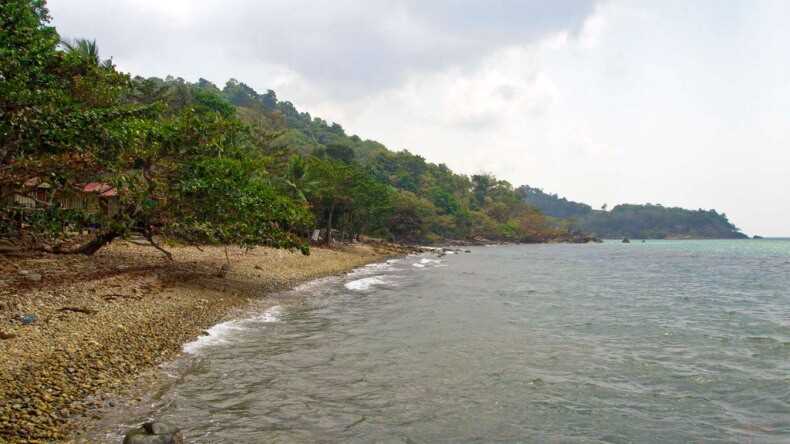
{"points": [[86, 49]]}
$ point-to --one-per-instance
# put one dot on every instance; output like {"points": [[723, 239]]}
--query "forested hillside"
{"points": [[89, 154], [634, 221]]}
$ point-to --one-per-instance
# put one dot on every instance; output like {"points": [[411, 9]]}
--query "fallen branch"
{"points": [[78, 310]]}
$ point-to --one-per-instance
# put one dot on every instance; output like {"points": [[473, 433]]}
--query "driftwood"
{"points": [[78, 310]]}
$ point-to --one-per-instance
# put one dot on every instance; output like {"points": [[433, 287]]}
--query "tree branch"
{"points": [[153, 243], [87, 249]]}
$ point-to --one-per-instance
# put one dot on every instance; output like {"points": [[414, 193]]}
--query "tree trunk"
{"points": [[88, 248], [328, 239]]}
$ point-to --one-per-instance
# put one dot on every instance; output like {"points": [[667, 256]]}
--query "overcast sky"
{"points": [[680, 103]]}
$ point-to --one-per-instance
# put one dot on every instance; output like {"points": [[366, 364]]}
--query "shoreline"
{"points": [[95, 325]]}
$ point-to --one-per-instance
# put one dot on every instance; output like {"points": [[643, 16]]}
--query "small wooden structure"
{"points": [[37, 194]]}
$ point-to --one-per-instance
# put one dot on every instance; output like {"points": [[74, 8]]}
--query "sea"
{"points": [[684, 341]]}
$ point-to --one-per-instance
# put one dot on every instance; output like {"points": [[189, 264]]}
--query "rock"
{"points": [[626, 241], [140, 436], [29, 275], [467, 251], [154, 432], [28, 319], [160, 428], [4, 335]]}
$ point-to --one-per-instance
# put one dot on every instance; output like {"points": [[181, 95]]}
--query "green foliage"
{"points": [[415, 201], [634, 221], [229, 201], [658, 222], [201, 164], [174, 156], [87, 51]]}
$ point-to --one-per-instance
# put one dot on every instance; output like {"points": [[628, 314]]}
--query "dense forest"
{"points": [[634, 221], [89, 154]]}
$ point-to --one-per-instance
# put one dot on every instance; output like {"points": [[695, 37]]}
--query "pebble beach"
{"points": [[76, 331]]}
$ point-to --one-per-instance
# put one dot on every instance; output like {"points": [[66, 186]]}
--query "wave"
{"points": [[375, 268], [271, 315], [218, 334], [365, 283]]}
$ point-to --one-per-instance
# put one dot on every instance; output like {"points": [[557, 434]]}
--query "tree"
{"points": [[27, 47], [328, 188], [173, 156], [87, 50]]}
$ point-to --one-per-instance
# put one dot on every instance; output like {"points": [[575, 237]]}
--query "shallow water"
{"points": [[666, 341]]}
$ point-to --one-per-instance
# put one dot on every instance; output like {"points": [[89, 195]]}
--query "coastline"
{"points": [[100, 322]]}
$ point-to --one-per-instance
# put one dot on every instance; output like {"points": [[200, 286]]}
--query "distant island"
{"points": [[648, 221]]}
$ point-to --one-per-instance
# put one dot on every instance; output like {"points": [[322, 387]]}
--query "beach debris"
{"points": [[154, 432], [78, 310], [4, 335], [28, 319]]}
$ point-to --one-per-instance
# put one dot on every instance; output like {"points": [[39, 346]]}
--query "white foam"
{"points": [[270, 315], [365, 283], [218, 334], [315, 283], [418, 265], [379, 267], [425, 260], [382, 266]]}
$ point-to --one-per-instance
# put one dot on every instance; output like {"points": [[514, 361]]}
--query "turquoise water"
{"points": [[656, 342]]}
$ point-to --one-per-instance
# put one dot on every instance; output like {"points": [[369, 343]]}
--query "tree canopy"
{"points": [[634, 221], [90, 154]]}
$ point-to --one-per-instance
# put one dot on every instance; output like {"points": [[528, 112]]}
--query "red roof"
{"points": [[104, 190]]}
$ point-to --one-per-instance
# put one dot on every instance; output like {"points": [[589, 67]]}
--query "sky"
{"points": [[605, 102]]}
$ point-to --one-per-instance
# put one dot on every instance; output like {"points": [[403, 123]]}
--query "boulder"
{"points": [[160, 428], [154, 432]]}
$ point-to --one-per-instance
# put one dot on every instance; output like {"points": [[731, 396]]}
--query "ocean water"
{"points": [[656, 342]]}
